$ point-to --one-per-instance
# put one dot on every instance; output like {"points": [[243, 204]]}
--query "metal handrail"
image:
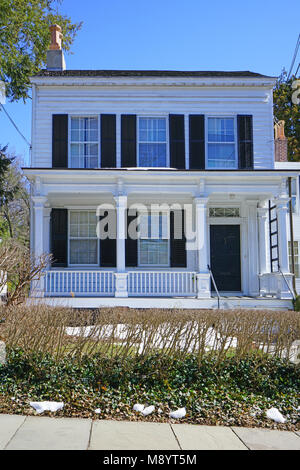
{"points": [[291, 291], [215, 285]]}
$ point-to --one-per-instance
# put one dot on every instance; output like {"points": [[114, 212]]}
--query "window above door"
{"points": [[152, 141], [221, 143]]}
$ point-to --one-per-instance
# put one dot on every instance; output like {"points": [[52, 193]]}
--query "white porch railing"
{"points": [[97, 283], [276, 284], [102, 283], [161, 283]]}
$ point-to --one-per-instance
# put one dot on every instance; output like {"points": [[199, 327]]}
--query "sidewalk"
{"points": [[43, 433]]}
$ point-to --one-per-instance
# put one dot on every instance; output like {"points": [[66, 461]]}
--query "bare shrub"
{"points": [[20, 268], [125, 333]]}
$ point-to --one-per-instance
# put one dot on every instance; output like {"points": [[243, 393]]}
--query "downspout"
{"points": [[292, 232]]}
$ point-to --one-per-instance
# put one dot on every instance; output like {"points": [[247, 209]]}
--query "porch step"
{"points": [[163, 302]]}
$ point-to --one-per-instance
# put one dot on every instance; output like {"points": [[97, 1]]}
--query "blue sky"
{"points": [[258, 35]]}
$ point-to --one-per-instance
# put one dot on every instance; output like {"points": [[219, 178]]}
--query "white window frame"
{"points": [[296, 196], [98, 116], [167, 265], [229, 116], [88, 265], [296, 242], [152, 116], [224, 207]]}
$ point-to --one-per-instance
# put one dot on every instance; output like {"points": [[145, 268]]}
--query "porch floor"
{"points": [[227, 302]]}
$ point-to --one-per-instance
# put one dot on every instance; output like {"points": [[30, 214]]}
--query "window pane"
{"points": [[220, 130], [152, 129], [74, 232], [224, 212], [152, 155], [221, 155], [154, 252], [83, 251], [152, 142], [296, 257], [84, 131], [83, 237], [153, 249], [154, 225]]}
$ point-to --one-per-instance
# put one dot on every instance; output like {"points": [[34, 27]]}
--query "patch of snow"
{"points": [[213, 340], [275, 415], [147, 411], [177, 414], [138, 407], [41, 406]]}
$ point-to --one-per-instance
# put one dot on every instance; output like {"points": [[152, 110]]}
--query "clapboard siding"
{"points": [[296, 226], [153, 100]]}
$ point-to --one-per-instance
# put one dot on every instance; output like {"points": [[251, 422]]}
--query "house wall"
{"points": [[296, 230], [152, 100]]}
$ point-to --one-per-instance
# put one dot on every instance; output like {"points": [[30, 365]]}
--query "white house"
{"points": [[194, 147]]}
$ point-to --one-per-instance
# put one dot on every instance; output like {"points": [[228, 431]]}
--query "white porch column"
{"points": [[265, 276], [253, 265], [203, 276], [284, 284], [264, 242], [121, 275], [38, 245], [47, 214], [282, 215]]}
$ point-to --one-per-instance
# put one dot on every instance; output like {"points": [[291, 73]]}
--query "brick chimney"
{"points": [[55, 56], [280, 142]]}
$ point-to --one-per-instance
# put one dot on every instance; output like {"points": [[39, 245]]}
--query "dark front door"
{"points": [[225, 257]]}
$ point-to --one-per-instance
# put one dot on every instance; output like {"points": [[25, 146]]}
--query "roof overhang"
{"points": [[185, 81]]}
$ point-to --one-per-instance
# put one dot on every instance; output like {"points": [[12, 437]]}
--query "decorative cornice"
{"points": [[154, 81]]}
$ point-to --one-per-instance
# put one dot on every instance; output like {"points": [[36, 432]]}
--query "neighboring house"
{"points": [[200, 140]]}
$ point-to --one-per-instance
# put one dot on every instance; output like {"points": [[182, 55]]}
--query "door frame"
{"points": [[243, 248]]}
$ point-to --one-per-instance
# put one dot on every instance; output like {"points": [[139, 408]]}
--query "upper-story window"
{"points": [[84, 145], [152, 142], [221, 151]]}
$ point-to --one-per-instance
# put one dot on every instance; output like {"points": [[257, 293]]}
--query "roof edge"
{"points": [[151, 73]]}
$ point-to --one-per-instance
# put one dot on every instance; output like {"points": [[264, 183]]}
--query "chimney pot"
{"points": [[56, 37], [280, 142], [55, 56], [279, 130]]}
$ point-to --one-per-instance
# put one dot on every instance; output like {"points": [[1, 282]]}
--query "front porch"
{"points": [[229, 220], [147, 289]]}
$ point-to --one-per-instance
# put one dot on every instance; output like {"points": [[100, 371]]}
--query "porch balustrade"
{"points": [[102, 283]]}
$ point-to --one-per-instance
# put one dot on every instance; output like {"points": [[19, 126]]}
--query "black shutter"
{"points": [[59, 141], [245, 142], [128, 140], [178, 248], [197, 142], [177, 144], [131, 248], [59, 237], [108, 141], [108, 246]]}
